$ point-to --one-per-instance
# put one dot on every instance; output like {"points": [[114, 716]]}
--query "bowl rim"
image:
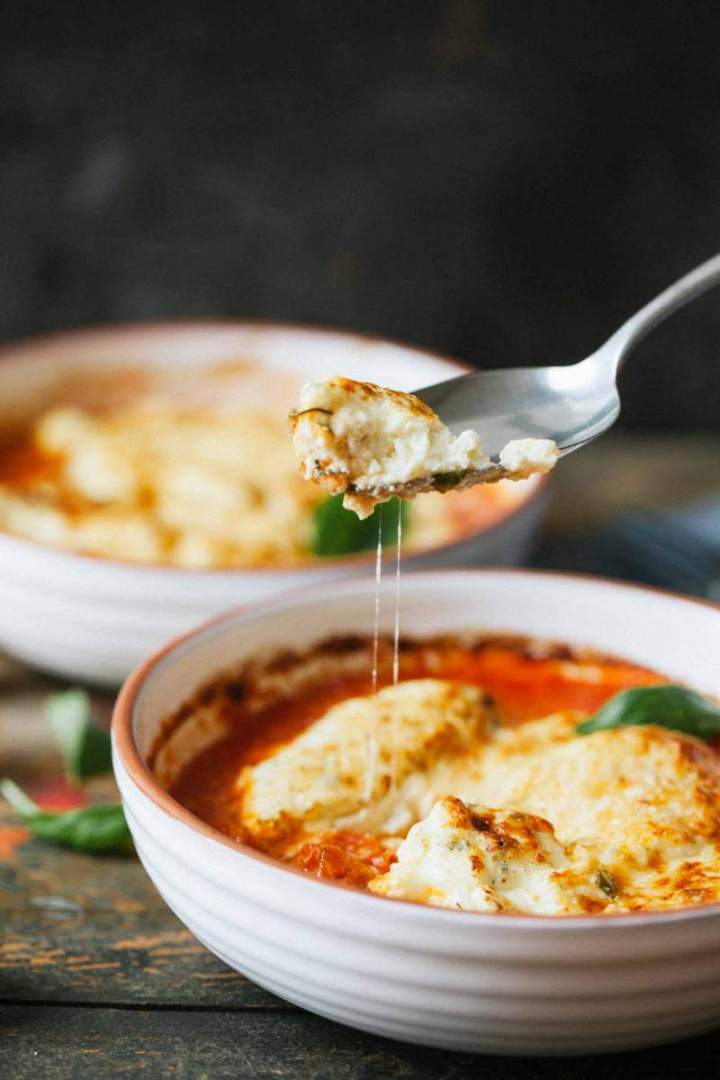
{"points": [[140, 775], [18, 351]]}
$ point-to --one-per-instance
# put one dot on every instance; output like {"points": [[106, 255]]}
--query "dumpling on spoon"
{"points": [[370, 444]]}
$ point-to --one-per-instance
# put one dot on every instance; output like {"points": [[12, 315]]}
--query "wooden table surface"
{"points": [[98, 978]]}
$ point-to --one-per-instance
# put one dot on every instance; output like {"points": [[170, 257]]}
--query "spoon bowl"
{"points": [[571, 405]]}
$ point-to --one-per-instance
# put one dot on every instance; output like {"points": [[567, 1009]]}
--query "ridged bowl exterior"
{"points": [[94, 619], [487, 983]]}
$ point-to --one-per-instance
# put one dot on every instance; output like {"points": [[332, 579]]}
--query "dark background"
{"points": [[501, 181]]}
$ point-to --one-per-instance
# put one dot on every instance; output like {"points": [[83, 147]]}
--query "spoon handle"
{"points": [[678, 294]]}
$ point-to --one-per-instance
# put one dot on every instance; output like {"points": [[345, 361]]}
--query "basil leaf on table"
{"points": [[337, 531], [93, 829], [85, 748], [673, 707]]}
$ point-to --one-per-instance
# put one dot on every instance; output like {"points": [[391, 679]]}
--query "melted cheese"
{"points": [[365, 440], [525, 457], [374, 763], [352, 434], [616, 820], [477, 859]]}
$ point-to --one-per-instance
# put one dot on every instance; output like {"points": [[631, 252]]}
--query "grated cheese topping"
{"points": [[530, 818], [369, 442]]}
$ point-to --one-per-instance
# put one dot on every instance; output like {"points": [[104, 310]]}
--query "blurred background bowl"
{"points": [[94, 619]]}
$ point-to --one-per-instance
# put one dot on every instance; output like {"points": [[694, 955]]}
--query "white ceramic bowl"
{"points": [[95, 619], [494, 983]]}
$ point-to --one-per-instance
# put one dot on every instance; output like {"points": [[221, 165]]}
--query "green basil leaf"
{"points": [[17, 798], [667, 706], [444, 482], [337, 531], [607, 883], [93, 829], [85, 748]]}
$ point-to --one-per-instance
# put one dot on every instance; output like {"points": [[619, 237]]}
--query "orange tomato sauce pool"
{"points": [[29, 471], [23, 465], [523, 686]]}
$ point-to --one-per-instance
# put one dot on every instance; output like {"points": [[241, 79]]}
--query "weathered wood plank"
{"points": [[81, 928], [49, 1043], [77, 928]]}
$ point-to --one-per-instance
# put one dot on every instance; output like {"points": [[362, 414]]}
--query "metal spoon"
{"points": [[571, 405]]}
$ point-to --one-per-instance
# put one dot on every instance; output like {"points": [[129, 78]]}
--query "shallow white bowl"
{"points": [[95, 619], [506, 984]]}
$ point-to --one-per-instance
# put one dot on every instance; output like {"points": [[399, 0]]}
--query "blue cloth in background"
{"points": [[677, 550]]}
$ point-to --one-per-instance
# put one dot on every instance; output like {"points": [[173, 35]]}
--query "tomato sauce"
{"points": [[23, 466], [524, 683]]}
